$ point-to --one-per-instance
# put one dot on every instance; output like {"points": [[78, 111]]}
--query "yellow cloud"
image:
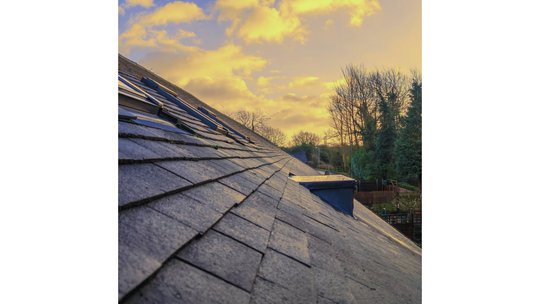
{"points": [[184, 34], [121, 11], [266, 23], [304, 82], [328, 23], [228, 61], [358, 8], [139, 37], [301, 112], [144, 3], [142, 35], [331, 85], [174, 12], [229, 9], [265, 81], [265, 90]]}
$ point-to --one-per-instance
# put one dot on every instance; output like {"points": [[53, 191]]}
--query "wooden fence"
{"points": [[379, 197], [370, 185], [374, 197], [396, 189]]}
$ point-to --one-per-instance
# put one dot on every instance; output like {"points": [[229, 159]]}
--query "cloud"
{"points": [[328, 24], [358, 8], [267, 24], [121, 11], [265, 81], [143, 3], [258, 21], [304, 82], [141, 34], [174, 13], [229, 9], [227, 61]]}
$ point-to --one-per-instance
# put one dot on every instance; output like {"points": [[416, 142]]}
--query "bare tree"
{"points": [[305, 137], [354, 109], [274, 135], [251, 119]]}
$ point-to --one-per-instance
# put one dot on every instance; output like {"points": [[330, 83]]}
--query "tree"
{"points": [[386, 138], [251, 119], [408, 201], [409, 142], [308, 148], [363, 164], [273, 135], [305, 137]]}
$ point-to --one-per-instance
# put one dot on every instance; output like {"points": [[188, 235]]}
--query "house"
{"points": [[207, 213], [301, 156]]}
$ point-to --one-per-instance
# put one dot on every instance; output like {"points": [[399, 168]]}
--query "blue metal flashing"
{"points": [[336, 190], [205, 111], [137, 89], [184, 105]]}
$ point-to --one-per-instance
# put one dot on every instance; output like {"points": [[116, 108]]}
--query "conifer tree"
{"points": [[386, 139], [409, 142]]}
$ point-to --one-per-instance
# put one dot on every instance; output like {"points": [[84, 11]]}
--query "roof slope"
{"points": [[214, 221]]}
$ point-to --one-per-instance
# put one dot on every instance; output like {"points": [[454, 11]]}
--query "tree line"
{"points": [[257, 121], [380, 112]]}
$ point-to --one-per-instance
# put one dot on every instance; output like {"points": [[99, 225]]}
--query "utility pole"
{"points": [[318, 157], [351, 157]]}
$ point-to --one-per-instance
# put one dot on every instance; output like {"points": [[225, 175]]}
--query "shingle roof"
{"points": [[216, 220], [301, 156]]}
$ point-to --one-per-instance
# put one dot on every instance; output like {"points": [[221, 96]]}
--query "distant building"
{"points": [[301, 156]]}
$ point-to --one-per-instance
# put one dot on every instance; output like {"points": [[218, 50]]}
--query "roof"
{"points": [[217, 219], [301, 156]]}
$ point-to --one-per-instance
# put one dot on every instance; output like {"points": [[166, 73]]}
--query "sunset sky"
{"points": [[281, 56]]}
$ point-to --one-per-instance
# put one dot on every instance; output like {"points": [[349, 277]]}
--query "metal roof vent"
{"points": [[336, 190]]}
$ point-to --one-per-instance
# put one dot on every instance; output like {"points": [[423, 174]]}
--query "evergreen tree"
{"points": [[368, 131], [386, 139], [363, 164], [409, 142]]}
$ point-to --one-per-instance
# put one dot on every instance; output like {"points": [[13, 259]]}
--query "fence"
{"points": [[408, 224], [374, 197], [396, 189], [370, 185]]}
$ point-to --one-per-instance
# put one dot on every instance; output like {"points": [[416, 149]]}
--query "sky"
{"points": [[280, 56]]}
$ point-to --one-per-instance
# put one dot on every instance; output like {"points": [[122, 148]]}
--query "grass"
{"points": [[377, 208], [404, 185]]}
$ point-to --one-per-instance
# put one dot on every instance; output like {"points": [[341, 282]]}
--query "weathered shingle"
{"points": [[240, 183], [141, 181], [194, 171], [216, 195], [290, 274], [187, 211], [244, 232], [179, 282], [146, 238], [290, 241], [224, 257]]}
